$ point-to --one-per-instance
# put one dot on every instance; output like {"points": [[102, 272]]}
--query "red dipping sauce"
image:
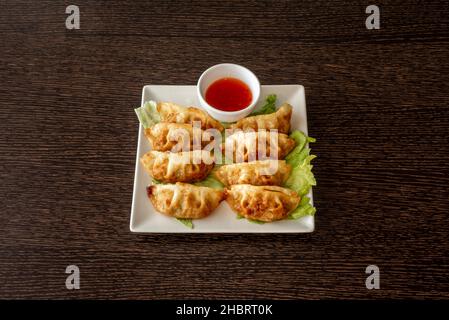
{"points": [[229, 94]]}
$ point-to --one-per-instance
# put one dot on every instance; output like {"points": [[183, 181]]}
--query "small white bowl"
{"points": [[228, 70]]}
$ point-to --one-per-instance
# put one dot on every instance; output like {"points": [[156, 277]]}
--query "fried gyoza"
{"points": [[262, 203], [250, 146], [182, 200], [164, 136], [279, 120], [258, 173], [172, 167], [171, 112]]}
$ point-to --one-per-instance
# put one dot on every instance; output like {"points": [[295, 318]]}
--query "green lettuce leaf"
{"points": [[148, 114], [301, 151], [304, 209], [155, 181], [187, 222], [211, 181], [301, 178], [268, 107], [239, 216]]}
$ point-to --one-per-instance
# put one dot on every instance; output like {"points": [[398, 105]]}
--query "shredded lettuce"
{"points": [[268, 107], [187, 222], [148, 114]]}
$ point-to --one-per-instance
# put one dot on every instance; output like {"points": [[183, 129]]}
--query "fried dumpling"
{"points": [[171, 112], [262, 203], [165, 136], [279, 120], [250, 146], [258, 173], [170, 167], [182, 200]]}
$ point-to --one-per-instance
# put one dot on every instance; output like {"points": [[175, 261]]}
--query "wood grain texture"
{"points": [[378, 104]]}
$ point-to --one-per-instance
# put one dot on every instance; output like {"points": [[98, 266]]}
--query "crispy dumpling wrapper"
{"points": [[248, 146], [185, 201], [177, 137], [258, 173], [261, 203], [170, 167], [171, 112], [279, 120]]}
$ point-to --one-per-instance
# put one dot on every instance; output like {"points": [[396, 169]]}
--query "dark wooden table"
{"points": [[378, 104]]}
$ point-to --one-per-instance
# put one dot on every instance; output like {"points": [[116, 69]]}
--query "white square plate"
{"points": [[223, 220]]}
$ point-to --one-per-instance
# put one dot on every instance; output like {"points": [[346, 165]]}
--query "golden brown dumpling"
{"points": [[262, 203], [165, 136], [250, 146], [182, 200], [258, 173], [172, 167], [171, 112], [279, 120]]}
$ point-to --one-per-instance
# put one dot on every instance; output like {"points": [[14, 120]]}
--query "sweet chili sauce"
{"points": [[229, 94]]}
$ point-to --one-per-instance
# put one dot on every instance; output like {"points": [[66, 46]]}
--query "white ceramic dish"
{"points": [[228, 70], [223, 220]]}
